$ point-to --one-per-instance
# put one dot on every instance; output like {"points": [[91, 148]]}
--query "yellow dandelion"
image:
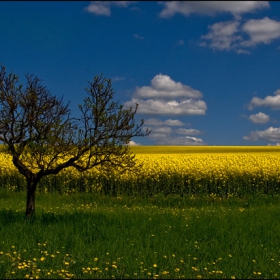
{"points": [[194, 268]]}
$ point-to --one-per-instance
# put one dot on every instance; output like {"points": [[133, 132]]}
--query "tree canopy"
{"points": [[43, 137]]}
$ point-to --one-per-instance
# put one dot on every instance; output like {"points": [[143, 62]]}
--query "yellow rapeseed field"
{"points": [[183, 170]]}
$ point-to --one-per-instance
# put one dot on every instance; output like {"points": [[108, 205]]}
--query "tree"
{"points": [[43, 138]]}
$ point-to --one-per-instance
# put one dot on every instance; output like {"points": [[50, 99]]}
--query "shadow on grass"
{"points": [[8, 216]]}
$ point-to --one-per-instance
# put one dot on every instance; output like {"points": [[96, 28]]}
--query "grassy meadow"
{"points": [[192, 212]]}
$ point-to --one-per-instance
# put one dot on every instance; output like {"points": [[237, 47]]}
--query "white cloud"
{"points": [[169, 122], [270, 101], [210, 8], [243, 51], [104, 7], [161, 130], [132, 143], [165, 135], [222, 35], [99, 8], [230, 35], [173, 107], [259, 118], [190, 131], [275, 144], [162, 86], [270, 134], [180, 141], [161, 98], [261, 31]]}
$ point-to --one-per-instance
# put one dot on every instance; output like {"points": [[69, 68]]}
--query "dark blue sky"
{"points": [[203, 73]]}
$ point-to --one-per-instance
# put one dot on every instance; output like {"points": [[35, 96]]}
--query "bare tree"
{"points": [[43, 138]]}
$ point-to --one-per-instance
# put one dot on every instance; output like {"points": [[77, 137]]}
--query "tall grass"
{"points": [[96, 236]]}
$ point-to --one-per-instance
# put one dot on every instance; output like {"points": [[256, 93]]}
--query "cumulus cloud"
{"points": [[179, 141], [166, 136], [230, 35], [167, 97], [104, 7], [210, 8], [243, 51], [190, 131], [132, 143], [270, 134], [163, 133], [259, 118], [261, 31], [169, 122], [275, 144], [162, 86], [162, 130], [269, 101], [222, 35], [162, 107]]}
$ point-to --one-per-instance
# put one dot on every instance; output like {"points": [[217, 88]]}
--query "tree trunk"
{"points": [[30, 203]]}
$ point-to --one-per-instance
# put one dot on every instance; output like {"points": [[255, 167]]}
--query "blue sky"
{"points": [[203, 73]]}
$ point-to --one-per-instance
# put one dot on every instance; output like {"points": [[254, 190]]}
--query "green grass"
{"points": [[95, 236]]}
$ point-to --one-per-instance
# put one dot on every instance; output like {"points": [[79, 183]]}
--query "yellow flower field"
{"points": [[178, 170]]}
